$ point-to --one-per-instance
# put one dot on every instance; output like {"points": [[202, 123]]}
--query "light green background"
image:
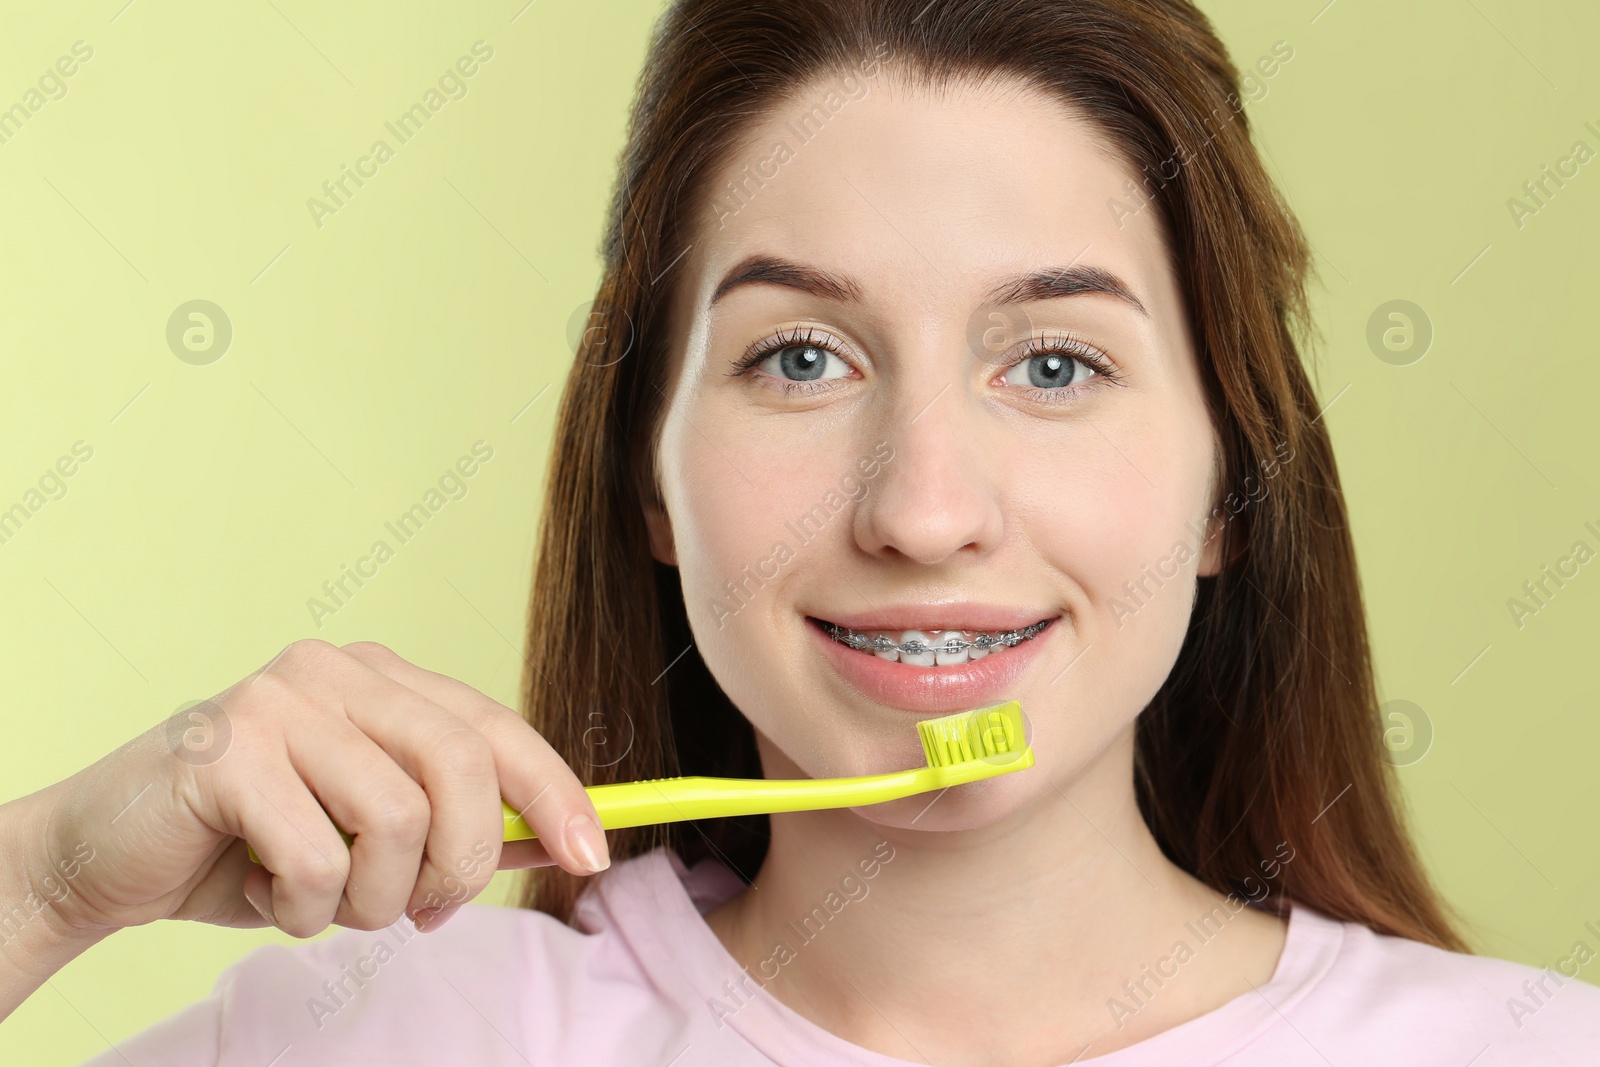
{"points": [[370, 353]]}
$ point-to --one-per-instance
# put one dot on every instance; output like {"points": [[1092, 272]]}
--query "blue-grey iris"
{"points": [[1057, 370], [803, 368]]}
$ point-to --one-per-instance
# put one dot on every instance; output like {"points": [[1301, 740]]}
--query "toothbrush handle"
{"points": [[664, 800]]}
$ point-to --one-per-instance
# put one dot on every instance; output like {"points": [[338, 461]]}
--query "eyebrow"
{"points": [[1046, 284]]}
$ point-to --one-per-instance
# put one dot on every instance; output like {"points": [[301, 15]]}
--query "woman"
{"points": [[918, 320]]}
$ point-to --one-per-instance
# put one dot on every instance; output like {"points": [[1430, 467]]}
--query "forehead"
{"points": [[924, 197]]}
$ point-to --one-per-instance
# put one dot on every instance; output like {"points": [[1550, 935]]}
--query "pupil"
{"points": [[1047, 371], [806, 367]]}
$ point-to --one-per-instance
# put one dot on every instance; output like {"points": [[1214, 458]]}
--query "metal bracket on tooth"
{"points": [[948, 645]]}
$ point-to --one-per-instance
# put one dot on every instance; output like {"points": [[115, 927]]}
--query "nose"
{"points": [[938, 497]]}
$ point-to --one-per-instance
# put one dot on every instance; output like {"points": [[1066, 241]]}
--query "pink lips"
{"points": [[956, 687]]}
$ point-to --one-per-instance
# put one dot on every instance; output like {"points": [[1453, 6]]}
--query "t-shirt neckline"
{"points": [[658, 906]]}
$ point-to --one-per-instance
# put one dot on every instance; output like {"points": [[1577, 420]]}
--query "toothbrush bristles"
{"points": [[969, 735]]}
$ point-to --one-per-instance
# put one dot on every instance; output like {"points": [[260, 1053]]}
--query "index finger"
{"points": [[533, 777]]}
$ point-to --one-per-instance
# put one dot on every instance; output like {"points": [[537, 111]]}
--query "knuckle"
{"points": [[308, 657], [368, 650], [307, 650], [270, 693], [463, 753], [511, 721], [320, 872], [267, 687], [308, 663], [400, 817]]}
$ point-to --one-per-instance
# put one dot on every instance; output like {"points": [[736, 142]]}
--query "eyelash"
{"points": [[1047, 345]]}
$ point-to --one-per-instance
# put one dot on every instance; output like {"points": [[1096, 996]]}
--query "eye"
{"points": [[805, 363], [1057, 365], [1050, 370], [795, 360]]}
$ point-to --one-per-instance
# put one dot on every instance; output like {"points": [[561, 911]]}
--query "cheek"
{"points": [[1109, 529], [745, 506], [1125, 523], [754, 512]]}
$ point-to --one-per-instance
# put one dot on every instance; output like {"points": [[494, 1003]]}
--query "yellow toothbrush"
{"points": [[963, 747]]}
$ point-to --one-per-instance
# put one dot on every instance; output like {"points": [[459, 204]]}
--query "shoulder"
{"points": [[1381, 994]]}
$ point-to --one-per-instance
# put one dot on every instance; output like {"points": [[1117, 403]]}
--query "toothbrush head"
{"points": [[993, 735]]}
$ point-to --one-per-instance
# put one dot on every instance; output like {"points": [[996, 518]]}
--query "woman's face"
{"points": [[883, 423]]}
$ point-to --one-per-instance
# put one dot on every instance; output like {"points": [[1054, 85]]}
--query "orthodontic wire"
{"points": [[915, 647]]}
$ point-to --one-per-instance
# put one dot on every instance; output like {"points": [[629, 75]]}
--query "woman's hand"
{"points": [[412, 763]]}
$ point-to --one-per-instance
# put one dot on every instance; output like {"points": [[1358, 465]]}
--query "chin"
{"points": [[874, 745], [972, 806]]}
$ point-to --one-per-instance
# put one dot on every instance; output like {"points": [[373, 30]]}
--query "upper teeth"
{"points": [[927, 648]]}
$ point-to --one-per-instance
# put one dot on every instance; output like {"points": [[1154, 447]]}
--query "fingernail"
{"points": [[265, 910], [588, 842]]}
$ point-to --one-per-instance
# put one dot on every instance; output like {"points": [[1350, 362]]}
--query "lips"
{"points": [[953, 687]]}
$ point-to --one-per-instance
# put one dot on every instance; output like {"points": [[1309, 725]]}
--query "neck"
{"points": [[875, 932]]}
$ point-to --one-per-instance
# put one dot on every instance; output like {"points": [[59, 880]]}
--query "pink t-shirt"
{"points": [[646, 981]]}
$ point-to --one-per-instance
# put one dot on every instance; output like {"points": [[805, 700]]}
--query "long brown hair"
{"points": [[1267, 730]]}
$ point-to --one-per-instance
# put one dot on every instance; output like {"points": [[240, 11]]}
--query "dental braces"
{"points": [[950, 644]]}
